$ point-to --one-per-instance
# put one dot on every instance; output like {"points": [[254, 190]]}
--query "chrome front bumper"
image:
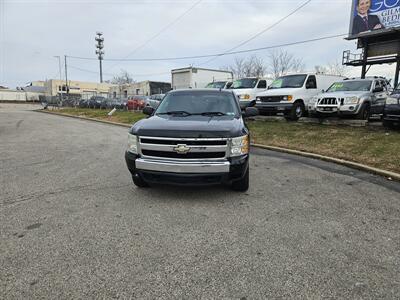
{"points": [[189, 167]]}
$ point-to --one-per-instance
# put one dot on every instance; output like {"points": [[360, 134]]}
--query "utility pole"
{"points": [[99, 51], [66, 75], [59, 70]]}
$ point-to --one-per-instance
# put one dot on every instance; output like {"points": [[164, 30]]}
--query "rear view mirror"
{"points": [[148, 110], [378, 89]]}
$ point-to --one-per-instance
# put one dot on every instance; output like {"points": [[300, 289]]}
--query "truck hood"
{"points": [[343, 94], [190, 127], [243, 91], [279, 92]]}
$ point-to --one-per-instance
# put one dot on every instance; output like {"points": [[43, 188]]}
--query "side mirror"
{"points": [[148, 110], [250, 112], [322, 91], [378, 89]]}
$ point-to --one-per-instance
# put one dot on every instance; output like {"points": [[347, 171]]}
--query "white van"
{"points": [[247, 88], [290, 94]]}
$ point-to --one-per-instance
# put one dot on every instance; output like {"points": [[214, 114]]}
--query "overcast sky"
{"points": [[34, 31]]}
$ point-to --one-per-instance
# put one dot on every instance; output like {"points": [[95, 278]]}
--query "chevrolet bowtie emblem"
{"points": [[181, 149]]}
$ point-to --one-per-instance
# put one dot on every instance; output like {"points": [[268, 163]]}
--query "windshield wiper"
{"points": [[176, 112], [213, 113]]}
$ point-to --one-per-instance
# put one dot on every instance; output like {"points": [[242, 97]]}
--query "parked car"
{"points": [[117, 103], [136, 102], [105, 103], [290, 94], [193, 137], [219, 85], [83, 103], [154, 100], [391, 111], [95, 101], [247, 89], [356, 97]]}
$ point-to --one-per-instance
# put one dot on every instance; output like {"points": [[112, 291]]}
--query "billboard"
{"points": [[370, 15]]}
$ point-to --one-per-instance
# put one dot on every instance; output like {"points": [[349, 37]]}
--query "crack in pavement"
{"points": [[23, 198]]}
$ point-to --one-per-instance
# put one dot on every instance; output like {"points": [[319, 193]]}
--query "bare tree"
{"points": [[253, 66], [282, 62], [333, 68], [122, 78]]}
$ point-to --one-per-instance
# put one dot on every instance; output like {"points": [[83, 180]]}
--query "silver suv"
{"points": [[355, 97]]}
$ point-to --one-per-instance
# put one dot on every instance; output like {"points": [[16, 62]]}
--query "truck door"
{"points": [[379, 97], [311, 89]]}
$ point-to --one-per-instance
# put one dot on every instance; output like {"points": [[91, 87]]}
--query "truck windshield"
{"points": [[216, 85], [198, 103], [246, 83], [343, 86], [288, 81]]}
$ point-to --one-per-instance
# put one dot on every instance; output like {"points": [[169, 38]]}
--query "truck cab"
{"points": [[290, 94], [193, 137]]}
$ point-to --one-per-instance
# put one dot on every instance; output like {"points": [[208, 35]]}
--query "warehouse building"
{"points": [[143, 88]]}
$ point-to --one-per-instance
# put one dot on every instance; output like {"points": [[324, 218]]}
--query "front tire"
{"points": [[297, 111], [241, 185], [138, 181], [364, 113], [387, 124]]}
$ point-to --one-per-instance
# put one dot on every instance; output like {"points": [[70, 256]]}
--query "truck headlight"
{"points": [[245, 97], [239, 146], [287, 98], [391, 100], [351, 100], [132, 143]]}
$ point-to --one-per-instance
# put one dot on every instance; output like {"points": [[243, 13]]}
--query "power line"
{"points": [[210, 55], [86, 70], [217, 54], [160, 31], [261, 32]]}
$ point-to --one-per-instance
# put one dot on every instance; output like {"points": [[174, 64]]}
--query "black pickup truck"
{"points": [[194, 137]]}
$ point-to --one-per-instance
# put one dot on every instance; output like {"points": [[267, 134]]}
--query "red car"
{"points": [[136, 103]]}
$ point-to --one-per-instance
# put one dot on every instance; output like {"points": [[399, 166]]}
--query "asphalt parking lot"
{"points": [[72, 225]]}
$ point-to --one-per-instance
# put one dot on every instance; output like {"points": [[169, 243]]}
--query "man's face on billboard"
{"points": [[363, 6]]}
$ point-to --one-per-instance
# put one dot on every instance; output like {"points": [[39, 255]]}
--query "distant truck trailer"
{"points": [[197, 78]]}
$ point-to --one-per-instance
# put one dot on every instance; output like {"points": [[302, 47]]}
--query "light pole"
{"points": [[59, 70], [99, 51]]}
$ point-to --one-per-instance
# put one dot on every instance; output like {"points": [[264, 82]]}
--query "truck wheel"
{"points": [[138, 181], [297, 111], [241, 185], [387, 124], [364, 112]]}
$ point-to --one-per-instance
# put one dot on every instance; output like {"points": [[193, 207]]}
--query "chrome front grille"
{"points": [[183, 148], [271, 98], [328, 101]]}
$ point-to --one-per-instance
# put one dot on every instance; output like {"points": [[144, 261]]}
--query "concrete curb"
{"points": [[388, 174], [83, 118]]}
